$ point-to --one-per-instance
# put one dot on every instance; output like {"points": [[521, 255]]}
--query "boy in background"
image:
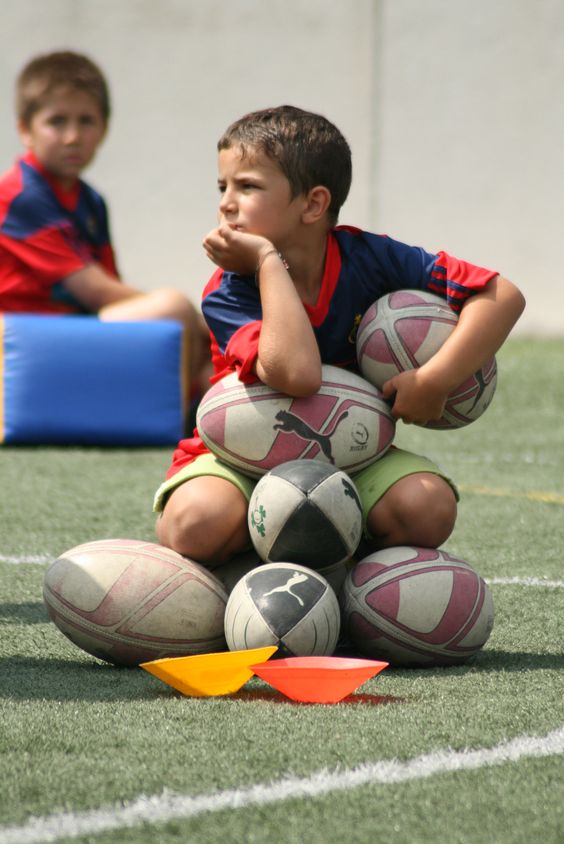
{"points": [[56, 255], [290, 292]]}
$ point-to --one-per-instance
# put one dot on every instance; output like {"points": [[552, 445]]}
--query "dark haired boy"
{"points": [[291, 289]]}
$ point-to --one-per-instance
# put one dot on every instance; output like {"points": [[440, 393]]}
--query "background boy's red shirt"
{"points": [[46, 234]]}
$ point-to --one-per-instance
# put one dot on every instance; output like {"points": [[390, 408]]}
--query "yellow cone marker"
{"points": [[207, 675]]}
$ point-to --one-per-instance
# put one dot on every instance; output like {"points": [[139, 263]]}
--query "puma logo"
{"points": [[351, 492], [482, 386], [296, 578], [292, 424]]}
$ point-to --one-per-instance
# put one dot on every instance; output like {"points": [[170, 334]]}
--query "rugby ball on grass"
{"points": [[254, 428], [283, 604], [126, 601], [402, 331], [416, 606]]}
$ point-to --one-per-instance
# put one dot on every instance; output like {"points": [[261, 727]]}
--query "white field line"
{"points": [[44, 559], [524, 581], [34, 559], [169, 806]]}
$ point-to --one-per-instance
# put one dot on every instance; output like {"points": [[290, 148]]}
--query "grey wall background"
{"points": [[454, 110]]}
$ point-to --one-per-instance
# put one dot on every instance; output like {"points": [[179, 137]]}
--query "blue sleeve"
{"points": [[384, 264], [31, 211], [235, 302]]}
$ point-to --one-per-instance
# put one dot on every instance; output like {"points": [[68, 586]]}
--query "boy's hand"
{"points": [[234, 250], [416, 398]]}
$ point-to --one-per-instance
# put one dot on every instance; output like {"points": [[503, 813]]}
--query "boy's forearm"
{"points": [[483, 326], [94, 288], [288, 354]]}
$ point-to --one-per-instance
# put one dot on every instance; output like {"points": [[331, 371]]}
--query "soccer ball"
{"points": [[416, 606], [402, 331], [286, 605], [305, 512]]}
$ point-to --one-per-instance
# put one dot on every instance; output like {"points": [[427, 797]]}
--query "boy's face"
{"points": [[65, 133], [256, 196]]}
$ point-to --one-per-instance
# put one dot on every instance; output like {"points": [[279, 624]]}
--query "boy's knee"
{"points": [[193, 526], [172, 303], [419, 509]]}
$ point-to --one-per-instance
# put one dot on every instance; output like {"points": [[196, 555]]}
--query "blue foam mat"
{"points": [[77, 380]]}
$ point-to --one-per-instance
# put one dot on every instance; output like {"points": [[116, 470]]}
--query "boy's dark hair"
{"points": [[64, 69], [307, 147]]}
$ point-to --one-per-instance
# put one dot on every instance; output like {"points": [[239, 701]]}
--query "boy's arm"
{"points": [[484, 323], [94, 288], [288, 354]]}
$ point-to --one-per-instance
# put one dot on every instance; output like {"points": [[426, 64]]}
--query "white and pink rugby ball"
{"points": [[402, 331], [127, 601], [254, 428], [416, 606]]}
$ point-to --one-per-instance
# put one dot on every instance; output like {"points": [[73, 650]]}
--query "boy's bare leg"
{"points": [[419, 509], [169, 303], [205, 519]]}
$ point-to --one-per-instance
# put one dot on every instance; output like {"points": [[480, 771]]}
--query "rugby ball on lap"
{"points": [[254, 428], [402, 331], [126, 601], [417, 607]]}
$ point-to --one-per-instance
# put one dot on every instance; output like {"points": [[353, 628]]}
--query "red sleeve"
{"points": [[457, 279], [185, 452], [242, 350], [52, 253]]}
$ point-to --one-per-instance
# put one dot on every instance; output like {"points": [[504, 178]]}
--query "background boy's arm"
{"points": [[484, 323], [288, 354], [94, 288]]}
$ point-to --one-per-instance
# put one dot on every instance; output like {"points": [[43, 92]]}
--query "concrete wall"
{"points": [[453, 109]]}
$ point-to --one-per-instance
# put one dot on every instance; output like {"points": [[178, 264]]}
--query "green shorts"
{"points": [[371, 482]]}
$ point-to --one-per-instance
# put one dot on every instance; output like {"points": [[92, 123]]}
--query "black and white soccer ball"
{"points": [[286, 605], [305, 512]]}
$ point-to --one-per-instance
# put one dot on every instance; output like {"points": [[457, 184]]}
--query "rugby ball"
{"points": [[283, 604], [416, 607], [402, 331], [305, 512], [126, 601], [254, 428]]}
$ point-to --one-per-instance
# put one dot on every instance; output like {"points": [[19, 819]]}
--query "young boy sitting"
{"points": [[56, 255], [290, 291]]}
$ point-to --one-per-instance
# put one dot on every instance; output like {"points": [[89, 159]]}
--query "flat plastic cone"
{"points": [[318, 679], [207, 675]]}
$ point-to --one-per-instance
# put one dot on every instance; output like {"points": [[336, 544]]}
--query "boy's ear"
{"points": [[23, 132], [318, 200]]}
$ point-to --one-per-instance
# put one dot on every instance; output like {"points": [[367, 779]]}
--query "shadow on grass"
{"points": [[271, 696], [28, 612], [36, 678], [499, 660], [491, 661]]}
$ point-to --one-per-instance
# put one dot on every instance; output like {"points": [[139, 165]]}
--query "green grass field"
{"points": [[93, 753]]}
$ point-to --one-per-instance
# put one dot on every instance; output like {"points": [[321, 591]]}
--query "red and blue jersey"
{"points": [[359, 268], [46, 234]]}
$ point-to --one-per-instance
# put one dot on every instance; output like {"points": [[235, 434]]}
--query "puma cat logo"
{"points": [[290, 423]]}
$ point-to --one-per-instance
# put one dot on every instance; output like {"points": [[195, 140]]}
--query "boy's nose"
{"points": [[226, 202], [72, 133]]}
